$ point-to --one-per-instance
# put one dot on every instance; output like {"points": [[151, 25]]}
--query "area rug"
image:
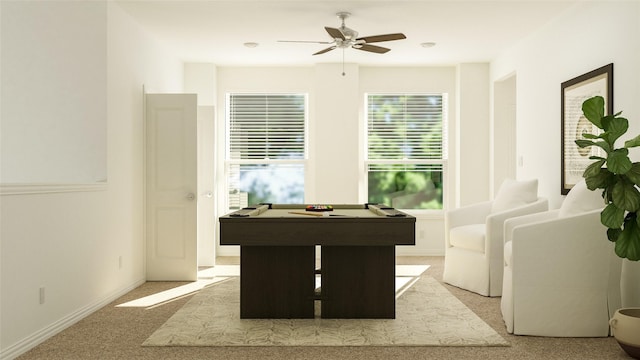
{"points": [[427, 314]]}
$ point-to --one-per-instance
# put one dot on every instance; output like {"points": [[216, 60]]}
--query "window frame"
{"points": [[228, 162], [444, 161]]}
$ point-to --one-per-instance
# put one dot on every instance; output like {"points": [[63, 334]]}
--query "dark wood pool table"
{"points": [[277, 259]]}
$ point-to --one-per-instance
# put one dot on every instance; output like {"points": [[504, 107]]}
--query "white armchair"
{"points": [[474, 237], [561, 275]]}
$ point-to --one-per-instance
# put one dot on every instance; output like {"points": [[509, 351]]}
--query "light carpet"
{"points": [[427, 314]]}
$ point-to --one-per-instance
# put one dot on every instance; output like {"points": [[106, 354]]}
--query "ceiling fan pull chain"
{"points": [[343, 62]]}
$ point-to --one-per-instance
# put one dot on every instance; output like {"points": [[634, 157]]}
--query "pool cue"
{"points": [[305, 213]]}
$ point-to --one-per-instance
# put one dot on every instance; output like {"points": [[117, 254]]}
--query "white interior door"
{"points": [[171, 187]]}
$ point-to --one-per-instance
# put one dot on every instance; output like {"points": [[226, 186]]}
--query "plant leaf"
{"points": [[599, 180], [613, 234], [612, 216], [618, 161], [633, 142], [614, 127], [634, 173], [594, 168], [582, 143], [593, 110], [604, 145], [625, 195], [628, 243]]}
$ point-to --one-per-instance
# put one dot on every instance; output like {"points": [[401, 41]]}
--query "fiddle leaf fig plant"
{"points": [[616, 175]]}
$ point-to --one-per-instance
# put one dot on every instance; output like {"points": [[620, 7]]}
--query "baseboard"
{"points": [[43, 334]]}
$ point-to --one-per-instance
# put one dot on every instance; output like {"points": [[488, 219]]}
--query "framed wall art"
{"points": [[573, 123]]}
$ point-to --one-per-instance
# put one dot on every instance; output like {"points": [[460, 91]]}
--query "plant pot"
{"points": [[625, 324]]}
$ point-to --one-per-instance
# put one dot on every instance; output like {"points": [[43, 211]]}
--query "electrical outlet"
{"points": [[421, 234], [41, 295]]}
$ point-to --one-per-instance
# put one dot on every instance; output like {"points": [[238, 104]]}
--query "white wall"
{"points": [[335, 135], [200, 78], [46, 137], [336, 128], [473, 134], [71, 243], [586, 37], [503, 132]]}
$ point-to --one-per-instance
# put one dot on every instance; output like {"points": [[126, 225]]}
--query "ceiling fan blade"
{"points": [[372, 48], [305, 41], [335, 33], [380, 38], [325, 50]]}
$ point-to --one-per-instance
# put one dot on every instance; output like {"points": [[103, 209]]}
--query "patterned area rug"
{"points": [[427, 314]]}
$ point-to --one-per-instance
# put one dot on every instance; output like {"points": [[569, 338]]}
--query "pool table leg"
{"points": [[358, 282], [277, 282]]}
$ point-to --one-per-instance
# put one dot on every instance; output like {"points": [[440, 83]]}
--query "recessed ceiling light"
{"points": [[251, 44], [428, 44]]}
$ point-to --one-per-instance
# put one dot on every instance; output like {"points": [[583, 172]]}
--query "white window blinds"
{"points": [[406, 127], [266, 126]]}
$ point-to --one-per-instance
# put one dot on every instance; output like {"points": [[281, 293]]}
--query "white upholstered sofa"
{"points": [[474, 236]]}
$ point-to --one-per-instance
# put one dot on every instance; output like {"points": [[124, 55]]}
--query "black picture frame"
{"points": [[574, 92]]}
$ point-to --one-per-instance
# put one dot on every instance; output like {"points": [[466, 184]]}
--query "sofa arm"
{"points": [[496, 222], [466, 215], [511, 223], [540, 205]]}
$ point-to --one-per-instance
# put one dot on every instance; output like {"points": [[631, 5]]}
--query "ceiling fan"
{"points": [[343, 38]]}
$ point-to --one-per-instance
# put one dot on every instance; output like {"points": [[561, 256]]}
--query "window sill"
{"points": [[425, 214]]}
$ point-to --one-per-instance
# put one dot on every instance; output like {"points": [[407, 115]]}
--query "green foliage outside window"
{"points": [[406, 189]]}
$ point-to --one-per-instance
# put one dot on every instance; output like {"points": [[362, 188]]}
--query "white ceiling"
{"points": [[464, 31]]}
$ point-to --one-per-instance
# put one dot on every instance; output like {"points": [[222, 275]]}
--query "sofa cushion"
{"points": [[580, 199], [470, 237], [513, 194]]}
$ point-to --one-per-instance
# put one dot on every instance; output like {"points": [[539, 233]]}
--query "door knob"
{"points": [[190, 196]]}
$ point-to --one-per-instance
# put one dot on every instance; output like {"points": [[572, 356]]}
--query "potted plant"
{"points": [[616, 175], [618, 178]]}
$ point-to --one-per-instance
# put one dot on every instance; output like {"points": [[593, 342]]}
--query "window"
{"points": [[266, 148], [406, 149]]}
